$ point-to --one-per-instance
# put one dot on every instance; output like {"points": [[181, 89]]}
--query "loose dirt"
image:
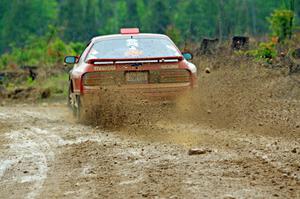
{"points": [[246, 119]]}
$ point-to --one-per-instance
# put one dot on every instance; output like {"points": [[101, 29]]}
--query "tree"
{"points": [[189, 19], [91, 18], [22, 19], [143, 15], [71, 19], [160, 16], [280, 24]]}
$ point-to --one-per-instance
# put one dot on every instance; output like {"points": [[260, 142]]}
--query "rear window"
{"points": [[133, 48]]}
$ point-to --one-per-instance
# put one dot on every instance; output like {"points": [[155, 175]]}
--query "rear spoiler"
{"points": [[136, 60]]}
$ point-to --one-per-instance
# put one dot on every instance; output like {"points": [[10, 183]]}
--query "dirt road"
{"points": [[45, 154], [244, 118]]}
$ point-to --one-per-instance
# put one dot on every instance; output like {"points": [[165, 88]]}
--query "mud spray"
{"points": [[238, 93]]}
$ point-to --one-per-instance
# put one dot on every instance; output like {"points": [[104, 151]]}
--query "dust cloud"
{"points": [[237, 94]]}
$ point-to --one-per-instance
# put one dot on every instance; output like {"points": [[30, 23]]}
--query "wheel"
{"points": [[74, 103], [77, 107], [69, 100]]}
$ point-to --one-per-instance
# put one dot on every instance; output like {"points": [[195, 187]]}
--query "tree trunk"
{"points": [[221, 3], [253, 11]]}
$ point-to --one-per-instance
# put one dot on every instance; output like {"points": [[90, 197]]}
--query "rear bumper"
{"points": [[164, 91]]}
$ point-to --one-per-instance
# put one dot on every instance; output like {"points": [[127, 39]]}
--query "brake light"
{"points": [[101, 78], [130, 31], [174, 76], [170, 76]]}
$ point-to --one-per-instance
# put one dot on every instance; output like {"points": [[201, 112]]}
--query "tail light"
{"points": [[174, 76], [170, 76], [101, 78]]}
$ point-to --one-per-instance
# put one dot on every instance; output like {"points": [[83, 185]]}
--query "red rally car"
{"points": [[150, 64]]}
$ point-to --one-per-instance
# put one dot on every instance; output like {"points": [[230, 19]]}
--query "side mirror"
{"points": [[187, 56], [71, 59]]}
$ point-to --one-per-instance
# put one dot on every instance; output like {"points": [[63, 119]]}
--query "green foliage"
{"points": [[22, 19], [30, 82], [265, 51], [289, 4], [79, 21], [4, 61], [73, 21], [78, 47], [57, 84], [39, 51], [173, 33], [56, 51], [281, 24]]}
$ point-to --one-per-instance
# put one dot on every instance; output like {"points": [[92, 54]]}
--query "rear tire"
{"points": [[77, 108], [74, 103], [69, 100]]}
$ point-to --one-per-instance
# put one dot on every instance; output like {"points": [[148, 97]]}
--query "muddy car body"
{"points": [[148, 64]]}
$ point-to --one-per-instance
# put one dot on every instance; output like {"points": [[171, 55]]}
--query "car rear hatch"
{"points": [[149, 75]]}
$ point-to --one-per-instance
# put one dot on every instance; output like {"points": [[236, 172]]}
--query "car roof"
{"points": [[125, 36]]}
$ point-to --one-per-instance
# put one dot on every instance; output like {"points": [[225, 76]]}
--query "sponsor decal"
{"points": [[132, 42], [132, 52], [169, 66], [103, 68]]}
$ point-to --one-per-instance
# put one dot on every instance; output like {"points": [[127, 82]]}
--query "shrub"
{"points": [[57, 50], [39, 51], [281, 24], [4, 61], [77, 47], [265, 51], [57, 84]]}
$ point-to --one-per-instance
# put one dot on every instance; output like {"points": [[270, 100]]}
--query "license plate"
{"points": [[137, 77]]}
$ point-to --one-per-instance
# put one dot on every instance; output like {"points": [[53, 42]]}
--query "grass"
{"points": [[55, 86], [58, 84]]}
